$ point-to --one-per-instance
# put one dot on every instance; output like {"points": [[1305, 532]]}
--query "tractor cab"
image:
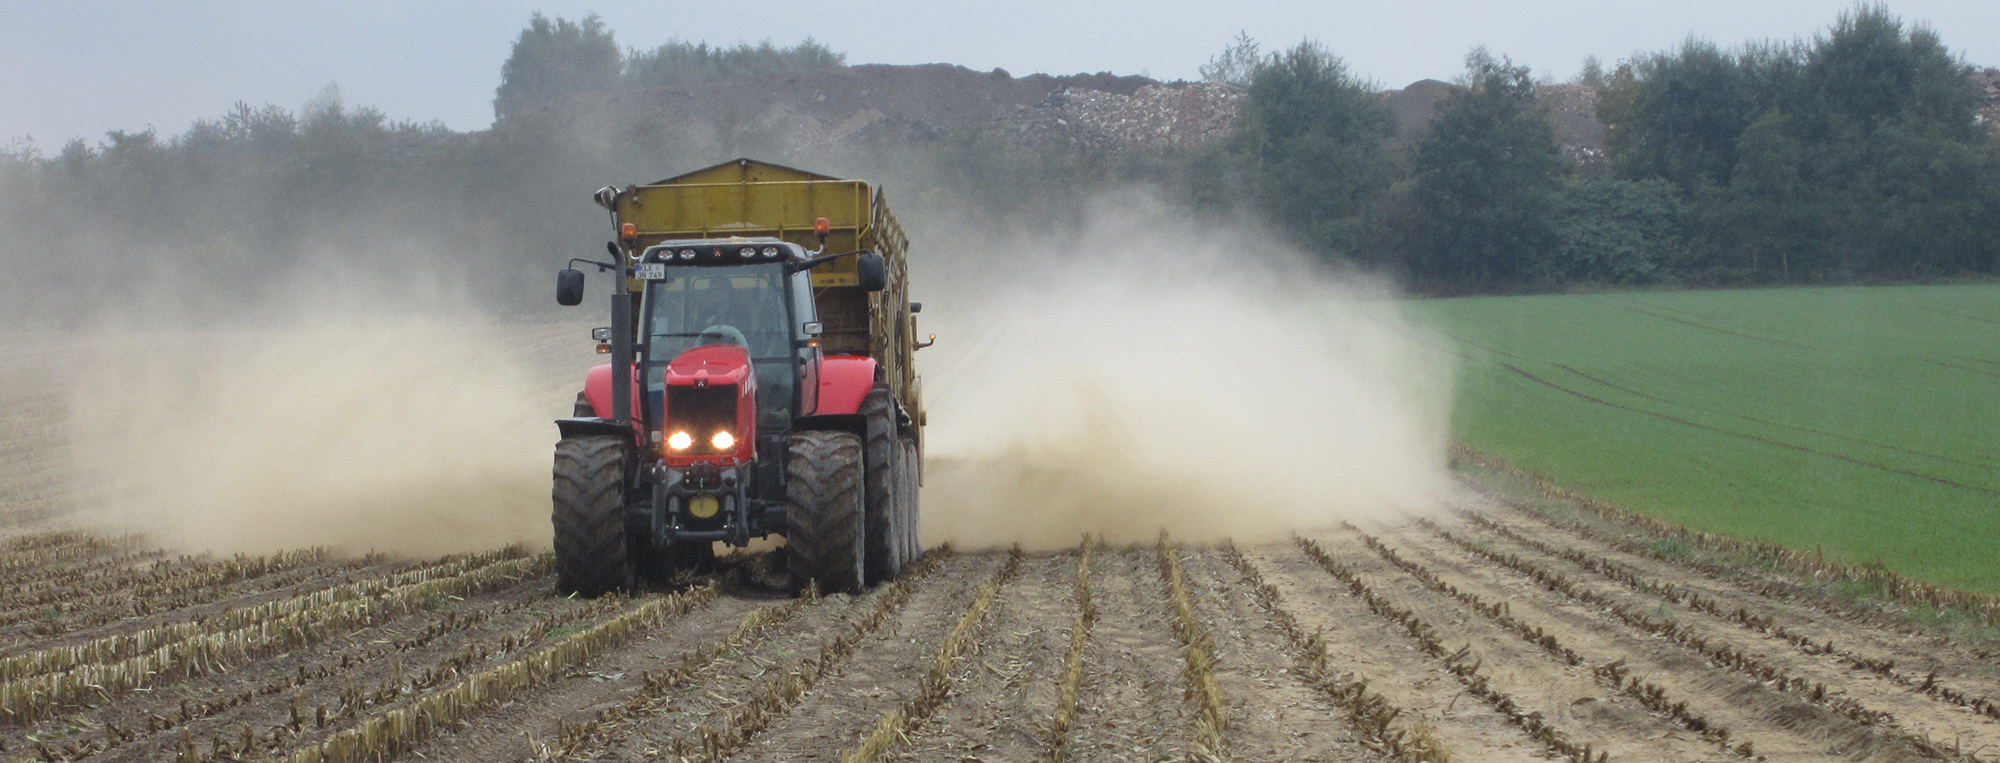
{"points": [[707, 293]]}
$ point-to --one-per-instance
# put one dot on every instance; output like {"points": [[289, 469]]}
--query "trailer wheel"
{"points": [[826, 522], [884, 455], [591, 553], [912, 505]]}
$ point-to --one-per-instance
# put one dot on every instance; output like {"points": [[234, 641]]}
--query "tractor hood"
{"points": [[709, 364]]}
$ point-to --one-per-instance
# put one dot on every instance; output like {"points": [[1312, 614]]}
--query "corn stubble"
{"points": [[408, 661], [934, 686], [394, 732], [1079, 640], [40, 682]]}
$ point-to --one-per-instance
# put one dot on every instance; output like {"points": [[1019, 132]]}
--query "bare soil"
{"points": [[1499, 632]]}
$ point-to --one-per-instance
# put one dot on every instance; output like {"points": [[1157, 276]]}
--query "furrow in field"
{"points": [[667, 693], [1861, 699], [89, 625], [577, 718], [1134, 708], [127, 592], [1057, 748], [1280, 689], [1501, 696], [1008, 688], [392, 733], [831, 710], [1791, 566], [58, 561], [1727, 702], [1850, 657], [940, 676], [824, 698], [50, 679], [112, 647], [275, 702], [1211, 715], [1876, 638]]}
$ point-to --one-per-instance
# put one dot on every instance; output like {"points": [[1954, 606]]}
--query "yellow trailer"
{"points": [[747, 198]]}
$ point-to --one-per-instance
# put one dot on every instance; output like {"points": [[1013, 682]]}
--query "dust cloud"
{"points": [[339, 420], [1143, 373]]}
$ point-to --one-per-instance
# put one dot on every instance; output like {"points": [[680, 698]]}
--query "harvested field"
{"points": [[1511, 627], [1495, 633]]}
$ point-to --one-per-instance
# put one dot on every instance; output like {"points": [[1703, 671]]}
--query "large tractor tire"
{"points": [[583, 410], [912, 505], [883, 454], [591, 553], [826, 522]]}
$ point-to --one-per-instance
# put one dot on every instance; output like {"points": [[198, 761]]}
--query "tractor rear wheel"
{"points": [[883, 456], [591, 553], [826, 525], [913, 540]]}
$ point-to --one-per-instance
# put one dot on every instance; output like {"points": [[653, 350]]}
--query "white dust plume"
{"points": [[357, 430], [1144, 374]]}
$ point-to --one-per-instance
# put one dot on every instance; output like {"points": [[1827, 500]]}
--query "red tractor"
{"points": [[762, 320]]}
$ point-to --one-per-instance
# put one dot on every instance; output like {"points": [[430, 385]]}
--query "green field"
{"points": [[1862, 421]]}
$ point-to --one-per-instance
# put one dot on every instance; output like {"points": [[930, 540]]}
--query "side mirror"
{"points": [[870, 272], [569, 287]]}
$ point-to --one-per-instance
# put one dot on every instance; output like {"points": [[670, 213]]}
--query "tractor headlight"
{"points": [[680, 441], [723, 440]]}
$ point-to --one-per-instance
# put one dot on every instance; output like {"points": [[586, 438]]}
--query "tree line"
{"points": [[1855, 155]]}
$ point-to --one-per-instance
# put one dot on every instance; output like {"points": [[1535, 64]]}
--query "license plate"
{"points": [[650, 271]]}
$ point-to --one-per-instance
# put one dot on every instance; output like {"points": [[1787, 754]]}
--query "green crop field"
{"points": [[1861, 421]]}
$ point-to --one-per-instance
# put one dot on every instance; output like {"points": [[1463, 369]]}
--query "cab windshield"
{"points": [[744, 305]]}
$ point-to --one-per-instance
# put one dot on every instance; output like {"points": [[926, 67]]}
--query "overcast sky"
{"points": [[70, 69]]}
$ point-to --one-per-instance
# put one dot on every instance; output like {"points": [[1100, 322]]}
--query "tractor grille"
{"points": [[701, 412]]}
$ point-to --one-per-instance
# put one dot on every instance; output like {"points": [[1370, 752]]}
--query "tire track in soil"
{"points": [[1132, 706], [1926, 715], [879, 676], [262, 696], [1857, 638], [1272, 715], [1778, 725], [1006, 690], [1565, 697]]}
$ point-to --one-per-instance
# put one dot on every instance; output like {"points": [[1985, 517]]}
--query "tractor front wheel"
{"points": [[591, 553], [826, 522]]}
